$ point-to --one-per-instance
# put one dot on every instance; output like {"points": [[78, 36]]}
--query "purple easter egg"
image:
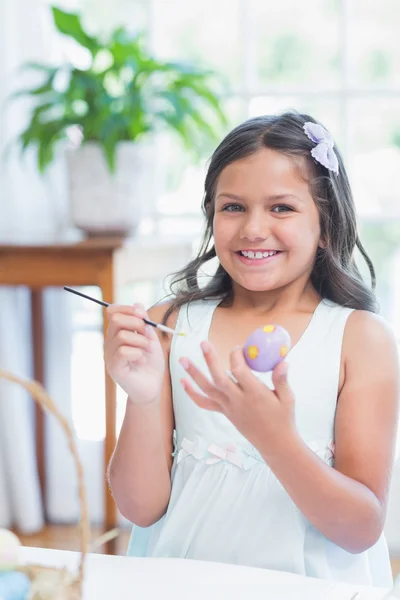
{"points": [[266, 347]]}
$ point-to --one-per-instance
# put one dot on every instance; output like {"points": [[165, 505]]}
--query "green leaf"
{"points": [[47, 145], [45, 155], [109, 149], [43, 136], [27, 137], [188, 69], [175, 102], [178, 126], [70, 24], [38, 67], [203, 91], [44, 88], [42, 108], [203, 125]]}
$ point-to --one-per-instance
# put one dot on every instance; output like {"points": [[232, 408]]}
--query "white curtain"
{"points": [[33, 210]]}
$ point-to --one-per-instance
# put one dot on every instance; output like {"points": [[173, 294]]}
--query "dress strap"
{"points": [[194, 319]]}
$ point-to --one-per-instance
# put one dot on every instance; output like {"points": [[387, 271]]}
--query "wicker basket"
{"points": [[49, 583]]}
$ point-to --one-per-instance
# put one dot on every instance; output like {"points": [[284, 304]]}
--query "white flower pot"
{"points": [[104, 203]]}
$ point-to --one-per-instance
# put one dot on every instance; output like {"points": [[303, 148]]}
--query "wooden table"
{"points": [[104, 262]]}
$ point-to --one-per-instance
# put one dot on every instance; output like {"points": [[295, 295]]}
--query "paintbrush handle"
{"points": [[102, 303], [68, 289]]}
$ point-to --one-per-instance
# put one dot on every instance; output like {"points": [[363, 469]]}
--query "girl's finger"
{"points": [[220, 377], [240, 369], [135, 309], [150, 333], [121, 321], [201, 400], [204, 384], [131, 338], [134, 355], [281, 384]]}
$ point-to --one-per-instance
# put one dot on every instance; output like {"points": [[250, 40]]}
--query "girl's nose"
{"points": [[254, 229]]}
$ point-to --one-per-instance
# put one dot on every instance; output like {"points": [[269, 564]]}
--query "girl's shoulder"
{"points": [[369, 325], [368, 338], [157, 313]]}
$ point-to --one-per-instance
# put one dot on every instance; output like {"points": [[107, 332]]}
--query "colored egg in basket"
{"points": [[9, 550]]}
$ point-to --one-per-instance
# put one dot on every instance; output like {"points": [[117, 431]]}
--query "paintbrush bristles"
{"points": [[168, 329]]}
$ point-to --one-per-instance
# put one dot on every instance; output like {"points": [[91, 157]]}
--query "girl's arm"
{"points": [[140, 468], [348, 503]]}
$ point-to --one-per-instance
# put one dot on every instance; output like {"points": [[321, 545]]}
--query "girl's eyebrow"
{"points": [[274, 198]]}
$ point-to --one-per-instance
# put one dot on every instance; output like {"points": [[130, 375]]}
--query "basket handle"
{"points": [[41, 397]]}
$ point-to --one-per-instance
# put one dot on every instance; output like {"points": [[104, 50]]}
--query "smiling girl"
{"points": [[289, 470]]}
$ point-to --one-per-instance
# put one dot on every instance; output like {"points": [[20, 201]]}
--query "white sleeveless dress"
{"points": [[226, 504]]}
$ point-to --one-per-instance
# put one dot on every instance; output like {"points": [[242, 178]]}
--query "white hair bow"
{"points": [[323, 152]]}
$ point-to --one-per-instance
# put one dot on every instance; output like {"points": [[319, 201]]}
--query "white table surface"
{"points": [[120, 578]]}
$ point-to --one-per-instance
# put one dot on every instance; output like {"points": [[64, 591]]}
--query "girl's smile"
{"points": [[257, 257]]}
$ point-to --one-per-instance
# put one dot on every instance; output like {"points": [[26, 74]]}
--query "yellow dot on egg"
{"points": [[283, 351], [269, 328], [252, 351]]}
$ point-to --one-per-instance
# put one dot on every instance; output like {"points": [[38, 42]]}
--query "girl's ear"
{"points": [[322, 243]]}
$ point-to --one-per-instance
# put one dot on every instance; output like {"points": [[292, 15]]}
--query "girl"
{"points": [[289, 472]]}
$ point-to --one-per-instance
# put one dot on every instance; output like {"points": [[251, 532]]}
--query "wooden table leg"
{"points": [[38, 373], [107, 290]]}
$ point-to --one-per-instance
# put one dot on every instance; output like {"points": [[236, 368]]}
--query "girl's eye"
{"points": [[282, 208], [232, 208]]}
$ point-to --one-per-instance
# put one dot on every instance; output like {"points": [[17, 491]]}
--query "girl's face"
{"points": [[266, 224]]}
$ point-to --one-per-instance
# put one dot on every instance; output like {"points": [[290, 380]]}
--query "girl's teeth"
{"points": [[255, 255]]}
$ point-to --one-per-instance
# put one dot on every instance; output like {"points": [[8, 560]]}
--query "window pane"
{"points": [[296, 42], [326, 110], [85, 313], [103, 16], [183, 226], [381, 239], [87, 378], [374, 138], [373, 42], [207, 32], [180, 178]]}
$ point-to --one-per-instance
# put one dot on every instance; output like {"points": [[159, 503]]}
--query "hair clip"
{"points": [[323, 151]]}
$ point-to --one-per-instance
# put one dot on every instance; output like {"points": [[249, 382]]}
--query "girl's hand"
{"points": [[263, 416], [133, 354]]}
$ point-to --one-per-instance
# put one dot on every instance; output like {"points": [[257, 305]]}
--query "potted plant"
{"points": [[115, 104]]}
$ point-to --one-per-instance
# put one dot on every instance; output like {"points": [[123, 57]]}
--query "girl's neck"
{"points": [[289, 299]]}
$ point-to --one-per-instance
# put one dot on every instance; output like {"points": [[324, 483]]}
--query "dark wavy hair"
{"points": [[335, 275]]}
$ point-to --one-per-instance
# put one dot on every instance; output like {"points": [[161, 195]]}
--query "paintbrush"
{"points": [[152, 323]]}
